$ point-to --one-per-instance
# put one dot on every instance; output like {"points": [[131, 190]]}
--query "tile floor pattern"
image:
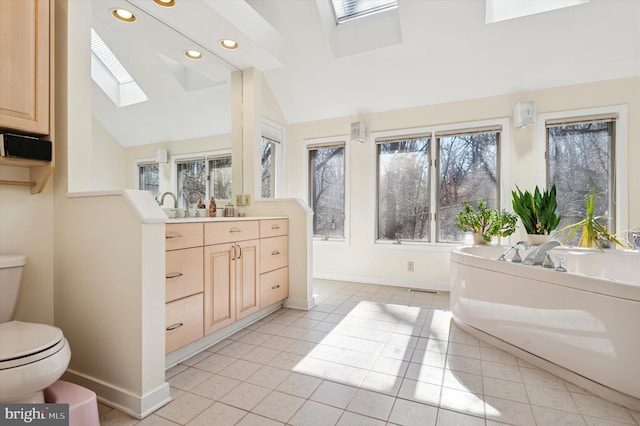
{"points": [[368, 355]]}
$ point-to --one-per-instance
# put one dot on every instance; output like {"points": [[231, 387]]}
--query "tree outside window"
{"points": [[149, 178], [467, 170], [327, 190], [192, 176], [220, 178], [267, 150], [580, 156], [403, 190]]}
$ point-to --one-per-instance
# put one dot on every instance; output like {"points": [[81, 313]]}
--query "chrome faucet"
{"points": [[516, 257], [539, 255], [175, 199], [189, 198]]}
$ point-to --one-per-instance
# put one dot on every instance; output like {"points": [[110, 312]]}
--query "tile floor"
{"points": [[368, 355]]}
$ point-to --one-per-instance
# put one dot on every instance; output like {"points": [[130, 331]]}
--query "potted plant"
{"points": [[594, 233], [537, 212], [486, 223]]}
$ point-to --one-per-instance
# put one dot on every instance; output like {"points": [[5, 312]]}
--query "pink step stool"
{"points": [[83, 407]]}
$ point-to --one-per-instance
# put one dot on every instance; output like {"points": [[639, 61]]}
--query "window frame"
{"points": [[181, 158], [342, 140], [620, 147], [145, 161], [504, 194], [275, 133]]}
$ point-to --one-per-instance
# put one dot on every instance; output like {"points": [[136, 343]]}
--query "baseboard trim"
{"points": [[437, 286], [300, 304], [122, 399]]}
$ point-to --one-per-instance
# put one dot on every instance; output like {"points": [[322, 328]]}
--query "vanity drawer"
{"points": [[274, 253], [231, 231], [184, 273], [183, 322], [274, 227], [183, 235], [274, 286]]}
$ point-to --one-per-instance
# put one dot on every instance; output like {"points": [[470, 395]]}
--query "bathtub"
{"points": [[582, 325]]}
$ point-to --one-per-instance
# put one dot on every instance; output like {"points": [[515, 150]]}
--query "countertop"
{"points": [[221, 219]]}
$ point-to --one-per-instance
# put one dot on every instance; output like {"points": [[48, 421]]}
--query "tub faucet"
{"points": [[538, 256], [175, 200], [516, 257]]}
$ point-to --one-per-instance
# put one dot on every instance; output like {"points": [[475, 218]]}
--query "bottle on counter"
{"points": [[229, 210], [212, 208]]}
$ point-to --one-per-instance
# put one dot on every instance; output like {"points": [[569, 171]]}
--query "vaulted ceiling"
{"points": [[424, 52]]}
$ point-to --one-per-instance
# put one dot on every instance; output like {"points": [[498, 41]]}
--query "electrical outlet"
{"points": [[247, 199], [410, 266], [238, 199]]}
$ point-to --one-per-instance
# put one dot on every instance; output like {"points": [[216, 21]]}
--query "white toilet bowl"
{"points": [[32, 356]]}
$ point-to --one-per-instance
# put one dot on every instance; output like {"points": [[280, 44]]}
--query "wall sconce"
{"points": [[358, 132], [524, 114]]}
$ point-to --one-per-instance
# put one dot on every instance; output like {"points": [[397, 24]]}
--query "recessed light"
{"points": [[123, 15], [229, 44], [193, 54], [165, 3]]}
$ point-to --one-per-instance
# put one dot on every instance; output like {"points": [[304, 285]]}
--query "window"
{"points": [[209, 175], [327, 189], [424, 178], [149, 178], [192, 176], [403, 189], [220, 177], [268, 163], [580, 157], [346, 10], [468, 171]]}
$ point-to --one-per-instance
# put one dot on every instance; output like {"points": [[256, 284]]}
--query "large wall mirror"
{"points": [[150, 99]]}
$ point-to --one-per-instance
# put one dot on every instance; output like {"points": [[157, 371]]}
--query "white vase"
{"points": [[478, 240], [537, 239]]}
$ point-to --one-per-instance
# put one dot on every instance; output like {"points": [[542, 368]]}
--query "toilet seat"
{"points": [[23, 343]]}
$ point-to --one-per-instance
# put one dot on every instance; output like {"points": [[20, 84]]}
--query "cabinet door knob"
{"points": [[174, 275], [235, 229], [175, 326], [273, 287], [275, 253], [275, 226], [173, 236]]}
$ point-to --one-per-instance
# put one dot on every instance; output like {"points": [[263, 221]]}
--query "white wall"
{"points": [[26, 227], [361, 259], [108, 159]]}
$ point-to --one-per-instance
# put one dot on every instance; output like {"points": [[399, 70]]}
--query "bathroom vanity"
{"points": [[220, 271]]}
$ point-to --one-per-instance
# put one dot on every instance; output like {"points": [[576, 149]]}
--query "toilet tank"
{"points": [[11, 266]]}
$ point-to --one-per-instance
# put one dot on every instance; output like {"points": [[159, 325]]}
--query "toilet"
{"points": [[32, 356]]}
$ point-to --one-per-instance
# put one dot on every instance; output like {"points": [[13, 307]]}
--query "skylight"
{"points": [[111, 76], [347, 10], [501, 10]]}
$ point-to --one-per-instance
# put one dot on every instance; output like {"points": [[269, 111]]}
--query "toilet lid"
{"points": [[22, 339]]}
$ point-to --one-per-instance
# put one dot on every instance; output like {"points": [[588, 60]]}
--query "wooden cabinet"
{"points": [[24, 71], [183, 285], [26, 79], [274, 260], [183, 322], [226, 269], [231, 289]]}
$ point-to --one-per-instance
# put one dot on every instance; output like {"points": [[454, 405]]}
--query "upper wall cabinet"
{"points": [[26, 81], [24, 67]]}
